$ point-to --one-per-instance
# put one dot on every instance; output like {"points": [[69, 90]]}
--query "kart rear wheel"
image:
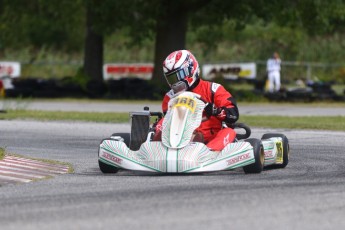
{"points": [[286, 148], [126, 137], [105, 168], [259, 156]]}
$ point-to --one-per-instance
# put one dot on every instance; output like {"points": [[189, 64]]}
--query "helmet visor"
{"points": [[177, 76]]}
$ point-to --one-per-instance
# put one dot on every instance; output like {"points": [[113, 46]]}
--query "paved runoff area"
{"points": [[15, 169]]}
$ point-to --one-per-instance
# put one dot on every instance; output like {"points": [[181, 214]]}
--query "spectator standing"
{"points": [[273, 72]]}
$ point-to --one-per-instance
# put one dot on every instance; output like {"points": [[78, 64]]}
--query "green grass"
{"points": [[323, 104], [66, 116], [2, 153], [300, 122]]}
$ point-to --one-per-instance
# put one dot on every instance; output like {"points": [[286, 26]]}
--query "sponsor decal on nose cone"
{"points": [[112, 158]]}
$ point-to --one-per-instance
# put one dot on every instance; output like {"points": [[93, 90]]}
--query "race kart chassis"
{"points": [[176, 153]]}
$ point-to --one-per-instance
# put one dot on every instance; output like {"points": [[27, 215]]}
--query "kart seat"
{"points": [[198, 137]]}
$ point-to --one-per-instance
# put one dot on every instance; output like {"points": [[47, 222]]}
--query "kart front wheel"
{"points": [[105, 168], [286, 148], [259, 156]]}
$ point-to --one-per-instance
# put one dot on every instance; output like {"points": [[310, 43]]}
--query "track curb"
{"points": [[19, 169]]}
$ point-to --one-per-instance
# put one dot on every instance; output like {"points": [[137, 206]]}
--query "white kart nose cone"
{"points": [[178, 125]]}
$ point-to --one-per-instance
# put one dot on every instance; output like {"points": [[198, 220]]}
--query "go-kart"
{"points": [[178, 152]]}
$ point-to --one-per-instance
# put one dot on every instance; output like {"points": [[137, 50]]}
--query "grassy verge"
{"points": [[66, 116], [300, 122], [2, 153]]}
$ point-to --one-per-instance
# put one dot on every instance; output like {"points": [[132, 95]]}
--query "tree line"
{"points": [[85, 24]]}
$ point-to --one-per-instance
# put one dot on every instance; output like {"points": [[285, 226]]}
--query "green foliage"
{"points": [[340, 75], [256, 41], [80, 78], [325, 48], [38, 23], [2, 153], [322, 16], [38, 31], [248, 96], [118, 47]]}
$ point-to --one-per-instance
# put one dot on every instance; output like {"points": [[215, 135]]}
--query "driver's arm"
{"points": [[226, 104]]}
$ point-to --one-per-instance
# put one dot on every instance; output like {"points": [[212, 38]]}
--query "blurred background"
{"points": [[114, 49]]}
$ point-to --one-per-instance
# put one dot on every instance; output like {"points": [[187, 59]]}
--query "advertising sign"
{"points": [[9, 69], [231, 71], [135, 70]]}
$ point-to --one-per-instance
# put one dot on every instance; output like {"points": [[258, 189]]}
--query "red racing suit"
{"points": [[215, 136]]}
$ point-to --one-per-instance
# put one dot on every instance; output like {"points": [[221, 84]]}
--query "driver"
{"points": [[181, 71]]}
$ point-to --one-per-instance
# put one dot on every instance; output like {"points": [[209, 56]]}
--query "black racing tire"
{"points": [[286, 148], [106, 169], [126, 137], [259, 156]]}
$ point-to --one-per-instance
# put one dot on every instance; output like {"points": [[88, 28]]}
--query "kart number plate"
{"points": [[279, 145], [187, 102]]}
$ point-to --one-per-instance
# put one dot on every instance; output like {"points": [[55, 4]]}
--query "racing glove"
{"points": [[211, 110]]}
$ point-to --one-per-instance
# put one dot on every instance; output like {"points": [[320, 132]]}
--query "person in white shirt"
{"points": [[273, 72]]}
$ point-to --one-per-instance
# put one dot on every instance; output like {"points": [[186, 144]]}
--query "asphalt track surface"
{"points": [[308, 194]]}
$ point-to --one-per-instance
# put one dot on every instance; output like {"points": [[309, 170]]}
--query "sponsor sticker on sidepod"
{"points": [[236, 159]]}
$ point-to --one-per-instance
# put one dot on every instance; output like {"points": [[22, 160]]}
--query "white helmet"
{"points": [[181, 70]]}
